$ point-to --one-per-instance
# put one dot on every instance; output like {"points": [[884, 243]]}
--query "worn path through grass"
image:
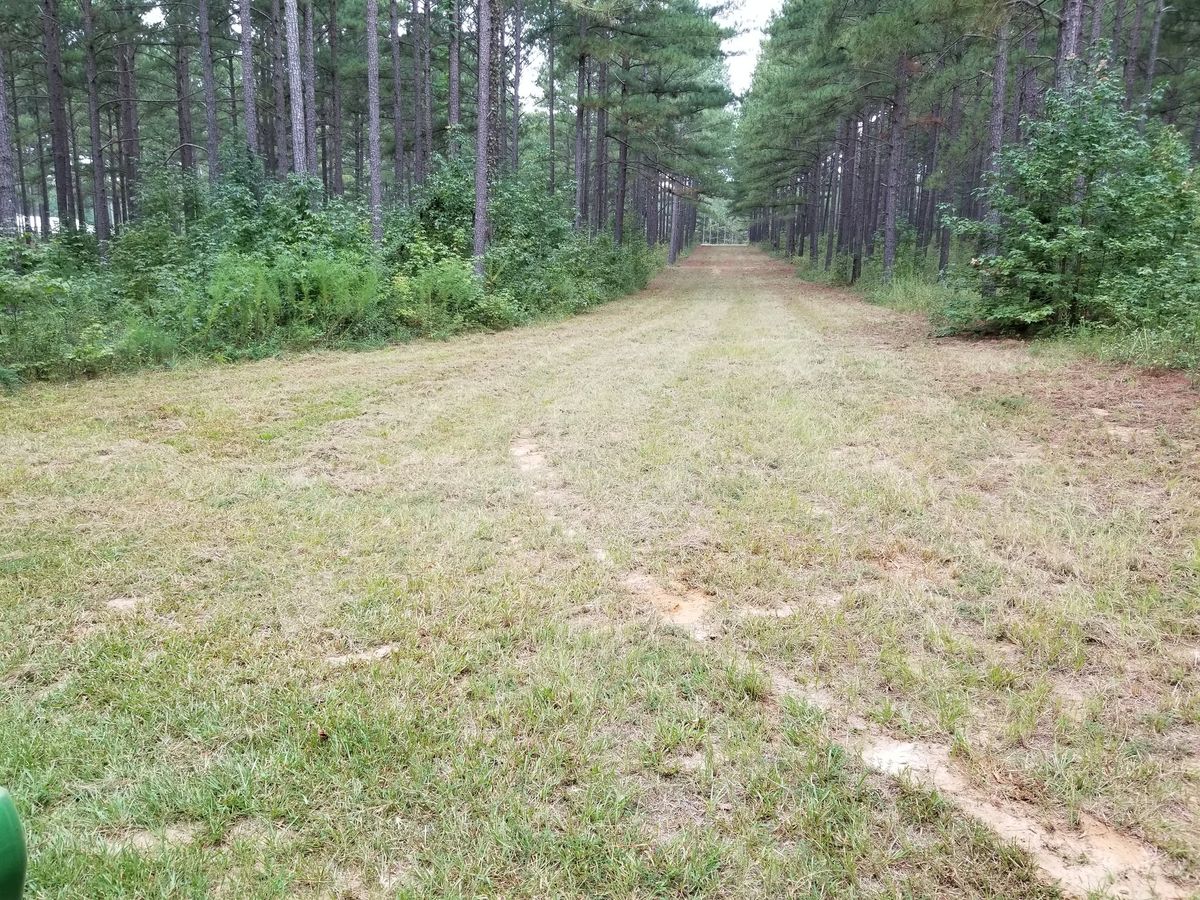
{"points": [[735, 588]]}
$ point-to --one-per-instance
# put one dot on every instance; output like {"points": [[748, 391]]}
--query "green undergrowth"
{"points": [[252, 267]]}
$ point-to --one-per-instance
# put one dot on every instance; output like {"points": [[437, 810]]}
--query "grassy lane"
{"points": [[421, 622]]}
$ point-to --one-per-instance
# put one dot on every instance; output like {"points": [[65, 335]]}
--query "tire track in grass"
{"points": [[1093, 858]]}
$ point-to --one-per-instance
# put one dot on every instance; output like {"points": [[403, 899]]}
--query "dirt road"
{"points": [[738, 587]]}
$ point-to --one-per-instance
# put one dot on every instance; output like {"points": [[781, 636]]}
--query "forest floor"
{"points": [[739, 587]]}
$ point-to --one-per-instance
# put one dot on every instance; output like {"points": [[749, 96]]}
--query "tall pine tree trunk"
{"points": [[8, 192], [676, 231], [279, 91], [397, 91], [454, 78], [1068, 47], [20, 144], [1097, 25], [310, 89], [420, 161], [99, 187], [374, 162], [601, 211], [996, 128], [516, 109], [622, 157], [183, 100], [482, 102], [115, 167], [550, 98], [338, 151], [296, 88], [60, 147], [1152, 59], [209, 81], [580, 124], [1133, 52], [249, 103], [849, 159], [891, 198], [427, 82], [43, 175]]}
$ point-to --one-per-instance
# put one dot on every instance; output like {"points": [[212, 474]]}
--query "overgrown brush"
{"points": [[259, 266]]}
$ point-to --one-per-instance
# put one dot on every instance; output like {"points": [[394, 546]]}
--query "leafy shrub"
{"points": [[1097, 221]]}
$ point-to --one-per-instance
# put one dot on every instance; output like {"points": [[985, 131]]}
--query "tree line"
{"points": [[233, 178], [100, 96], [873, 126]]}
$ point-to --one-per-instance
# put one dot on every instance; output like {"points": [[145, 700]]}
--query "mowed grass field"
{"points": [[735, 588]]}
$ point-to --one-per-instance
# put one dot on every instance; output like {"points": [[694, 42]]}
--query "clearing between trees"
{"points": [[738, 587]]}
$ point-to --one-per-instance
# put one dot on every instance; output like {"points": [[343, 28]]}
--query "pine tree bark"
{"points": [[232, 76], [831, 200], [622, 157], [374, 163], [249, 103], [849, 159], [397, 91], [209, 81], [420, 161], [518, 27], [814, 199], [500, 79], [279, 108], [335, 100], [1097, 25], [580, 123], [1068, 47], [1152, 59], [76, 169], [482, 101], [60, 147], [454, 78], [891, 198], [310, 89], [183, 100], [8, 192], [996, 128], [1133, 52], [550, 98], [588, 117], [115, 167], [99, 187], [296, 88], [43, 175], [676, 232], [427, 82], [601, 203], [20, 146]]}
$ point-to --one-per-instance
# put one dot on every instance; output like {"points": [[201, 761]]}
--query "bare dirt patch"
{"points": [[1091, 858], [374, 654], [125, 605], [144, 840], [677, 604], [1095, 857]]}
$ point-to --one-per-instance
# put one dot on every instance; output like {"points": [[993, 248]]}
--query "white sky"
{"points": [[749, 17]]}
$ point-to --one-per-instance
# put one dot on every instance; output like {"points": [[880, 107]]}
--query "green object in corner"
{"points": [[12, 849]]}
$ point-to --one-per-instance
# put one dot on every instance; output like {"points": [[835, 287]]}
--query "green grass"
{"points": [[302, 627]]}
